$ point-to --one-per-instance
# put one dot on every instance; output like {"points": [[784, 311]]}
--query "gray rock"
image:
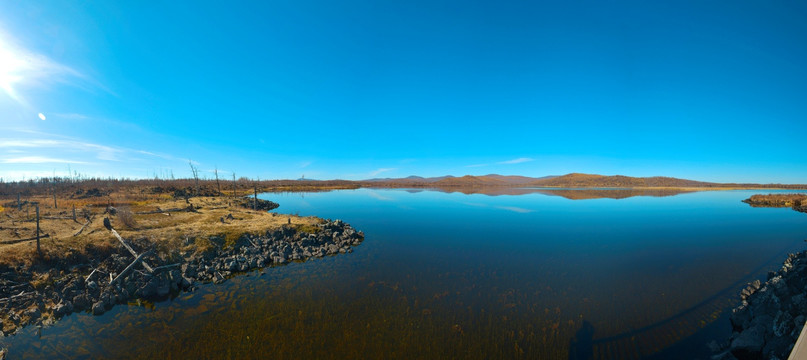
{"points": [[777, 347], [33, 313], [98, 308], [186, 283], [63, 308], [81, 302], [798, 325], [163, 290], [782, 324], [763, 323], [748, 345], [726, 355]]}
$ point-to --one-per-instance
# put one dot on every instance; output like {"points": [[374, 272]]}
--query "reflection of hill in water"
{"points": [[583, 194], [572, 194]]}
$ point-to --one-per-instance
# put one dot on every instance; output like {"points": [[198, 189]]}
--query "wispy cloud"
{"points": [[38, 160], [101, 152], [71, 116], [161, 156], [23, 68], [516, 161], [381, 170], [305, 164], [515, 209], [476, 165], [43, 148], [378, 196]]}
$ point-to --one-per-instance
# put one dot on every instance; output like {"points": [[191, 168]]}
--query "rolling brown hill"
{"points": [[573, 180], [577, 180]]}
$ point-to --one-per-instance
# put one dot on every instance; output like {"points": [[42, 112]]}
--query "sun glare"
{"points": [[10, 67]]}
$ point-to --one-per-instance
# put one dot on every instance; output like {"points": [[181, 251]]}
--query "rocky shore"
{"points": [[771, 315], [30, 300], [797, 202]]}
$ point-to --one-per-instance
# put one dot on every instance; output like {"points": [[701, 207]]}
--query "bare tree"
{"points": [[195, 172], [255, 188], [233, 184], [216, 171]]}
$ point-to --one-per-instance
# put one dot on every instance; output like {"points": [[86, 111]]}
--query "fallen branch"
{"points": [[145, 265], [167, 266], [123, 273], [89, 276], [82, 228], [22, 294], [6, 242], [188, 208]]}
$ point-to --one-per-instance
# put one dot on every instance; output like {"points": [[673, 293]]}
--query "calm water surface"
{"points": [[450, 275]]}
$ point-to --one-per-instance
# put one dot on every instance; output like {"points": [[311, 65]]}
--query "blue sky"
{"points": [[712, 91]]}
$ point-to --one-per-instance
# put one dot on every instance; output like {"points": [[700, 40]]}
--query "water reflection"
{"points": [[572, 194], [448, 275]]}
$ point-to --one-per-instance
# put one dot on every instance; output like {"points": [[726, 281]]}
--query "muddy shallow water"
{"points": [[450, 275]]}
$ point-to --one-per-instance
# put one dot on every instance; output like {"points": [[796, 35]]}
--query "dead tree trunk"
{"points": [[195, 172], [38, 249], [218, 186], [19, 203], [8, 242], [234, 185], [83, 227]]}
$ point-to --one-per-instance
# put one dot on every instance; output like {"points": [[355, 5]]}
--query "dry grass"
{"points": [[186, 231], [777, 200]]}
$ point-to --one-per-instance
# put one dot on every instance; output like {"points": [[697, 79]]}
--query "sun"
{"points": [[11, 67]]}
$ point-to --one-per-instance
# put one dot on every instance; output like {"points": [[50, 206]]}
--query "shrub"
{"points": [[126, 216]]}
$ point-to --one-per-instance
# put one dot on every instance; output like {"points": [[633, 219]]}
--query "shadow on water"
{"points": [[581, 347], [650, 339]]}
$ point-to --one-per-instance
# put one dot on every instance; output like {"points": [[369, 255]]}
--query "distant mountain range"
{"points": [[467, 180], [574, 180]]}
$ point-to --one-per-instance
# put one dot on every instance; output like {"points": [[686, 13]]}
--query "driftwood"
{"points": [[166, 266], [89, 276], [6, 242], [57, 217], [125, 271], [22, 294], [82, 228], [145, 265], [188, 208]]}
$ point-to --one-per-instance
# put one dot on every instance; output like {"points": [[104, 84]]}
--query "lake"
{"points": [[533, 273]]}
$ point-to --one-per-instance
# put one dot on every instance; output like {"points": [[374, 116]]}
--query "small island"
{"points": [[796, 201]]}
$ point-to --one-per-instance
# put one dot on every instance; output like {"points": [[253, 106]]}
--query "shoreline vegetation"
{"points": [[796, 202], [111, 241], [108, 242]]}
